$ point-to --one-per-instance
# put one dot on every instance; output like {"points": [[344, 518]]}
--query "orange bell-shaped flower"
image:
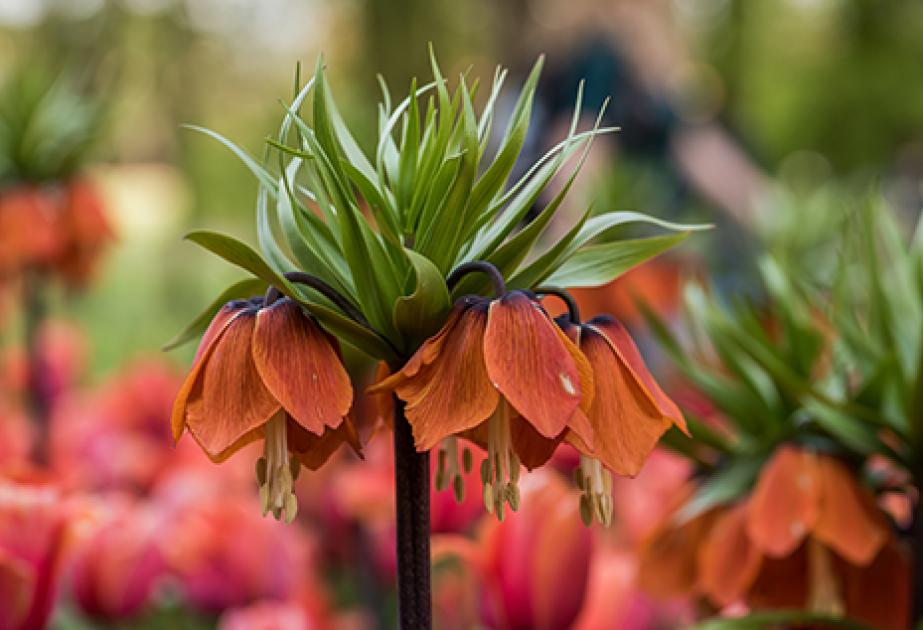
{"points": [[267, 371], [502, 373]]}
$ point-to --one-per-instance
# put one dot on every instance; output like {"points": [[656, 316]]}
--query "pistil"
{"points": [[276, 472]]}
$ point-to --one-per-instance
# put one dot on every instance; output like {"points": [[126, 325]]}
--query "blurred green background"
{"points": [[721, 102]]}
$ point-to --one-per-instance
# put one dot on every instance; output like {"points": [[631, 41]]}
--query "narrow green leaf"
{"points": [[596, 265]]}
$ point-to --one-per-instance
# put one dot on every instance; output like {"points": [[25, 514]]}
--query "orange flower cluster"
{"points": [[504, 375], [500, 373], [61, 230], [808, 536]]}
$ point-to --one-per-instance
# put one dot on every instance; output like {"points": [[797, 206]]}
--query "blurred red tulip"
{"points": [[116, 436], [33, 527], [533, 567], [225, 554], [614, 601], [116, 566]]}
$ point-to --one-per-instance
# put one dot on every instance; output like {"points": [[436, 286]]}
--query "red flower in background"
{"points": [[118, 563], [115, 437], [33, 530], [225, 555], [532, 569]]}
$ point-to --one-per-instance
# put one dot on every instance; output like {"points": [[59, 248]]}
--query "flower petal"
{"points": [[879, 594], [850, 522], [314, 450], [667, 561], [579, 423], [450, 392], [530, 365], [728, 562], [228, 400], [300, 366], [782, 582], [784, 505], [425, 354], [532, 448], [626, 423], [213, 333], [618, 337]]}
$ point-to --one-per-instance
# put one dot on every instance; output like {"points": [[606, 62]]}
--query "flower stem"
{"points": [[411, 481], [573, 312], [34, 311], [496, 278]]}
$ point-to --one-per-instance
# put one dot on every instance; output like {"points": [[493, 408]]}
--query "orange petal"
{"points": [[728, 562], [216, 328], [625, 347], [667, 560], [784, 505], [300, 366], [879, 594], [626, 423], [782, 582], [530, 365], [532, 448], [451, 393], [314, 450], [425, 354], [228, 400], [217, 458], [850, 522], [579, 423]]}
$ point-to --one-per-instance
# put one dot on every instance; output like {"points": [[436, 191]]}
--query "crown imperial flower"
{"points": [[265, 370]]}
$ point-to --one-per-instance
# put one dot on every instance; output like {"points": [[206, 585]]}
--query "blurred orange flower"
{"points": [[808, 536]]}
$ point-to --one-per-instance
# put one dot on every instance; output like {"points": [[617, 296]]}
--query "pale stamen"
{"points": [[595, 482], [448, 470], [824, 591], [276, 472], [500, 471]]}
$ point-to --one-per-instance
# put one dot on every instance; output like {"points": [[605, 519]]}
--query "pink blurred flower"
{"points": [[61, 358], [226, 555], [117, 436], [33, 527], [117, 565], [15, 436], [614, 601], [532, 568]]}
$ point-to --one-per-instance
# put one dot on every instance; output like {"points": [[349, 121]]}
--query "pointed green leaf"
{"points": [[596, 265]]}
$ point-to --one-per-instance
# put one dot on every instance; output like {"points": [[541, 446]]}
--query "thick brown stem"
{"points": [[38, 399], [411, 481]]}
